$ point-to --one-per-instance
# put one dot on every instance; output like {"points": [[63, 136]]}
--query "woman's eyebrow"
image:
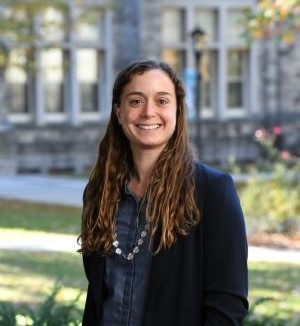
{"points": [[143, 95], [135, 93], [164, 93]]}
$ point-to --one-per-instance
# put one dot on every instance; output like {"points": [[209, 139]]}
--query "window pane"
{"points": [[235, 26], [175, 58], [52, 22], [52, 69], [207, 74], [235, 63], [90, 25], [173, 26], [16, 79], [88, 79], [235, 95], [207, 19], [236, 77]]}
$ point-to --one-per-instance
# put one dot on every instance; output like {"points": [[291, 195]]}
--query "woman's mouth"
{"points": [[148, 127]]}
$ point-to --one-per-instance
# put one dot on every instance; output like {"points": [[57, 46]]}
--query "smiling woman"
{"points": [[162, 237], [147, 111]]}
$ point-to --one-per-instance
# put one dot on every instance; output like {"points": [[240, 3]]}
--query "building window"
{"points": [[87, 76], [173, 36], [173, 22], [208, 79], [89, 25], [235, 26], [17, 81], [175, 58], [235, 79], [53, 78], [207, 19], [52, 25]]}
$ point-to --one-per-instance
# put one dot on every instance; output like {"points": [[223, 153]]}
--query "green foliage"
{"points": [[23, 24], [17, 18], [273, 18], [49, 313], [274, 294], [254, 319], [257, 319], [272, 204]]}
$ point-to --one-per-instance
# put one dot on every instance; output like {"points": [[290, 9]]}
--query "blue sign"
{"points": [[190, 81]]}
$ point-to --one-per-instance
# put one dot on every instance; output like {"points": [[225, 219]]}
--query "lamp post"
{"points": [[197, 35]]}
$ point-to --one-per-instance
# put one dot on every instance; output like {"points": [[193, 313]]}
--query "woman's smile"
{"points": [[147, 110], [148, 127]]}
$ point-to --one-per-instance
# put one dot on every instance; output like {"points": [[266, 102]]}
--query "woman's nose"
{"points": [[148, 110]]}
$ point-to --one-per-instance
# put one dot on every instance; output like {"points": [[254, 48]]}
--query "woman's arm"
{"points": [[225, 254]]}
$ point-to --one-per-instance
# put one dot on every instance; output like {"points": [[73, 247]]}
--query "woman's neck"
{"points": [[144, 162]]}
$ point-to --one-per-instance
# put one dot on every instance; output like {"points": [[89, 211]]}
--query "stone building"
{"points": [[57, 116]]}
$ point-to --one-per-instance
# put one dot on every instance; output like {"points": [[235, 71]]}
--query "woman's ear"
{"points": [[117, 112]]}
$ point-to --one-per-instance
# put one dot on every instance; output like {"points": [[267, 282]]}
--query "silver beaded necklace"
{"points": [[136, 248]]}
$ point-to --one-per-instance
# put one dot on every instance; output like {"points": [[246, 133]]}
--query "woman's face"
{"points": [[147, 110]]}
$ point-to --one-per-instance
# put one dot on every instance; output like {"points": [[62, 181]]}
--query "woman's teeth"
{"points": [[148, 127]]}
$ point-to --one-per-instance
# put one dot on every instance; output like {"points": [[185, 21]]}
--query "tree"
{"points": [[274, 18]]}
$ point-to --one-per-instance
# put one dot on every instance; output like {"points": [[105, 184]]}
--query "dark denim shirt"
{"points": [[127, 281]]}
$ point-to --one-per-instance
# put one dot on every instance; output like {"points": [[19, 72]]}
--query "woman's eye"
{"points": [[135, 102], [162, 101]]}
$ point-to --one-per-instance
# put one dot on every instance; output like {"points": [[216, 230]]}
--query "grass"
{"points": [[28, 277], [39, 217], [280, 283]]}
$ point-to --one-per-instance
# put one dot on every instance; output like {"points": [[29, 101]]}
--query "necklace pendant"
{"points": [[130, 256], [136, 249], [118, 251]]}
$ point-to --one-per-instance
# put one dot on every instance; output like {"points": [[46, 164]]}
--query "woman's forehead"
{"points": [[154, 80]]}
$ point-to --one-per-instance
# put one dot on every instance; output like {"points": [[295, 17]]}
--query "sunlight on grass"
{"points": [[39, 217], [27, 277], [280, 283]]}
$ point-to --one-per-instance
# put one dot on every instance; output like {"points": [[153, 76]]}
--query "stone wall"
{"points": [[126, 35], [53, 149], [150, 34]]}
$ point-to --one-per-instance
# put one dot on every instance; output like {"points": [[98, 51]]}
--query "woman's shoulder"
{"points": [[209, 175]]}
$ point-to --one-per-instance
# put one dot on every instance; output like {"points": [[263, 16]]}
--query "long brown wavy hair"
{"points": [[171, 207]]}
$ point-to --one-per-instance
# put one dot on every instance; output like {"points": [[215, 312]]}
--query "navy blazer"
{"points": [[202, 279]]}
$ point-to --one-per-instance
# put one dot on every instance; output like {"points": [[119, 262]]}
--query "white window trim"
{"points": [[55, 117], [20, 118]]}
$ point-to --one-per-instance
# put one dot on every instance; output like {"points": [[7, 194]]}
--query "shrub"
{"points": [[49, 313], [255, 319], [272, 204]]}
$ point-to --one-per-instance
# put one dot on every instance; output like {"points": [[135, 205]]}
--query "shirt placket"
{"points": [[130, 266]]}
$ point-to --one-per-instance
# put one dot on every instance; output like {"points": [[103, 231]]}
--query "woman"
{"points": [[163, 238]]}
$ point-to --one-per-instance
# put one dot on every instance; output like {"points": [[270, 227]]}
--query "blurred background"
{"points": [[240, 63]]}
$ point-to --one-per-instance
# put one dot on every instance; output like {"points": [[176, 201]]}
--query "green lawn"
{"points": [[280, 283], [39, 217], [29, 277]]}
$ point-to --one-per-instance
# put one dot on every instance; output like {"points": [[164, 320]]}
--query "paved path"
{"points": [[68, 191], [43, 189], [67, 243]]}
